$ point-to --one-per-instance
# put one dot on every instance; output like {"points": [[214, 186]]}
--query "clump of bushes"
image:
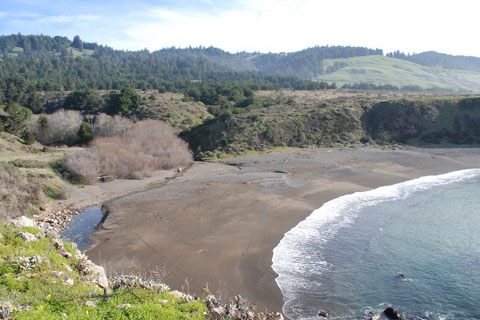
{"points": [[148, 146], [69, 127], [14, 120], [61, 127], [107, 126]]}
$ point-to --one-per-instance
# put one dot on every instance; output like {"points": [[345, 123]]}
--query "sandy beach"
{"points": [[216, 224]]}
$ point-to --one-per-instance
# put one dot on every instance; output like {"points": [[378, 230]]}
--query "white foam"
{"points": [[291, 259]]}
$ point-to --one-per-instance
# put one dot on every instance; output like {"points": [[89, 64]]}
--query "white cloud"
{"points": [[87, 17], [55, 19], [285, 25], [277, 25], [68, 19]]}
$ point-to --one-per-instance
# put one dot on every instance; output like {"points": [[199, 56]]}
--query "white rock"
{"points": [[177, 294], [23, 222], [101, 278], [27, 237], [91, 304], [219, 311], [65, 253], [124, 305], [67, 267]]}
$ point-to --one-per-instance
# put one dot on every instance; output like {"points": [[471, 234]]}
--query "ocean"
{"points": [[413, 245]]}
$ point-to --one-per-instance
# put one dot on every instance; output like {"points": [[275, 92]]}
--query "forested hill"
{"points": [[55, 63], [435, 59], [45, 63], [305, 64]]}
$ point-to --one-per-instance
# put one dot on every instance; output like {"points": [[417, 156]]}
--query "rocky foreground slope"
{"points": [[43, 277]]}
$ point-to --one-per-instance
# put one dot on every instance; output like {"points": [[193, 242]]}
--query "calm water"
{"points": [[347, 256], [82, 226]]}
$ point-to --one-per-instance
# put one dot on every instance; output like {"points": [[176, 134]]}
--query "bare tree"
{"points": [[107, 126], [57, 128], [148, 146]]}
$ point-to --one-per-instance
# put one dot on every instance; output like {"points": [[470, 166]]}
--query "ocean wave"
{"points": [[293, 259]]}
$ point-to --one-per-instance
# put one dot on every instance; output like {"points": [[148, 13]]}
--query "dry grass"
{"points": [[24, 189], [149, 146], [17, 193]]}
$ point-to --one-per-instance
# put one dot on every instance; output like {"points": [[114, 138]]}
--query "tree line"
{"points": [[56, 63]]}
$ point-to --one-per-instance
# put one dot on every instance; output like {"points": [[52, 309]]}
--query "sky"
{"points": [[253, 25]]}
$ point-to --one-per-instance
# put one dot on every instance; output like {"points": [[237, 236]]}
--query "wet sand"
{"points": [[216, 224]]}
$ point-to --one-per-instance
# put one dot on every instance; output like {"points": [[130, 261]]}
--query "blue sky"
{"points": [[253, 25]]}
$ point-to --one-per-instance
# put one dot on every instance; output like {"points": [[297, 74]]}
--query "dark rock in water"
{"points": [[391, 313], [400, 275], [281, 171], [322, 313]]}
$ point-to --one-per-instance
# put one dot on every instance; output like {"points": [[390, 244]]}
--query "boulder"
{"points": [[23, 221], [322, 313], [101, 278], [65, 253], [372, 316], [391, 313], [27, 237], [5, 311], [91, 304], [177, 294], [219, 311], [63, 276]]}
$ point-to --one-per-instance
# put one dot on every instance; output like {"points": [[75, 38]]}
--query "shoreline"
{"points": [[219, 222]]}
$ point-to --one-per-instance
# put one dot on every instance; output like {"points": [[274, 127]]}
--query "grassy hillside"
{"points": [[383, 70]]}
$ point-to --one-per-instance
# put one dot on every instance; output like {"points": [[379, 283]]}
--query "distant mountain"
{"points": [[52, 63], [353, 67], [56, 63], [306, 64]]}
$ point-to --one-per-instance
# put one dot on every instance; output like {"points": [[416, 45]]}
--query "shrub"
{"points": [[148, 146], [107, 126], [85, 133], [28, 137], [123, 102], [83, 100], [58, 128], [14, 119]]}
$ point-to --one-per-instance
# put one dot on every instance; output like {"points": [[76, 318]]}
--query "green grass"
{"points": [[77, 53], [383, 70], [33, 291]]}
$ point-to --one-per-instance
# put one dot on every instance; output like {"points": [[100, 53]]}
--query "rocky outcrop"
{"points": [[393, 314], [55, 222], [89, 271], [23, 221]]}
